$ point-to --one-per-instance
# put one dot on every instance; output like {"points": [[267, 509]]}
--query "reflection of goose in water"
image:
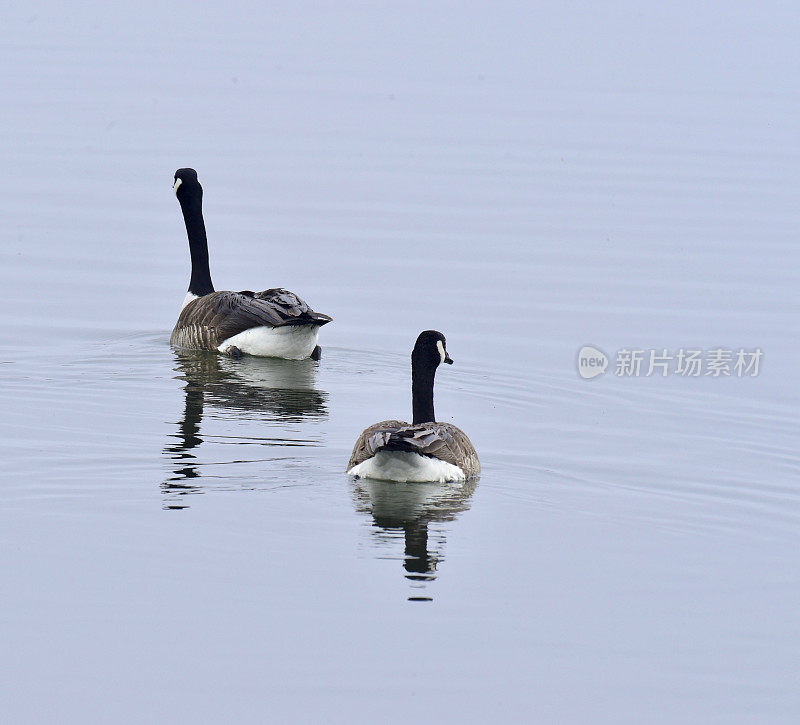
{"points": [[276, 390], [409, 508]]}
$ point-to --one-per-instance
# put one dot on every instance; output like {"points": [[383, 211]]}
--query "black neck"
{"points": [[192, 207], [422, 393]]}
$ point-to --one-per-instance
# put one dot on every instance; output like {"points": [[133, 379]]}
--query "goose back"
{"points": [[209, 320], [444, 441]]}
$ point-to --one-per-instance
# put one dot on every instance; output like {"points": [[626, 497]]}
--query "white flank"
{"points": [[190, 296], [293, 342], [406, 466]]}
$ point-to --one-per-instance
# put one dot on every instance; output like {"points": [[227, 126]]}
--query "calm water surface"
{"points": [[180, 541]]}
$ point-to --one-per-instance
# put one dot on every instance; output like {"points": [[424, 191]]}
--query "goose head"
{"points": [[186, 185], [430, 351]]}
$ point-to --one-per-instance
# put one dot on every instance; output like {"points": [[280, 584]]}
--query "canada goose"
{"points": [[273, 323], [426, 450]]}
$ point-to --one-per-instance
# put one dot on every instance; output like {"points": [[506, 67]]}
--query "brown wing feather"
{"points": [[438, 440], [213, 318], [373, 439], [444, 441]]}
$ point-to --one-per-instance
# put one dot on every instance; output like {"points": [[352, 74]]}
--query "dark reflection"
{"points": [[407, 510], [275, 390]]}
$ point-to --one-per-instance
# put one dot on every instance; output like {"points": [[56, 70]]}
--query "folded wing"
{"points": [[437, 440], [215, 317], [372, 439]]}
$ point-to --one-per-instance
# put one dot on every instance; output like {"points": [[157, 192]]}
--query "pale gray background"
{"points": [[528, 179]]}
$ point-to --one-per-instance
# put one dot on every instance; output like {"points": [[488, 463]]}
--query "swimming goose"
{"points": [[393, 450], [273, 323]]}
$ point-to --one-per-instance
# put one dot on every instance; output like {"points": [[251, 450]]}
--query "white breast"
{"points": [[293, 342], [406, 466]]}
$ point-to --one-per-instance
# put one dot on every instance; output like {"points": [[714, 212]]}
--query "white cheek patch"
{"points": [[177, 183], [442, 353]]}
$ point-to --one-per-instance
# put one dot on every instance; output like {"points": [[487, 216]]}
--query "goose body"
{"points": [[272, 323], [424, 450], [394, 450]]}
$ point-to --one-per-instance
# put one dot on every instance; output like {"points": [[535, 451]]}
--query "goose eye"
{"points": [[442, 353], [177, 183]]}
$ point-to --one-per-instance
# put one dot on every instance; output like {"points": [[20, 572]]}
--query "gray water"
{"points": [[180, 543]]}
